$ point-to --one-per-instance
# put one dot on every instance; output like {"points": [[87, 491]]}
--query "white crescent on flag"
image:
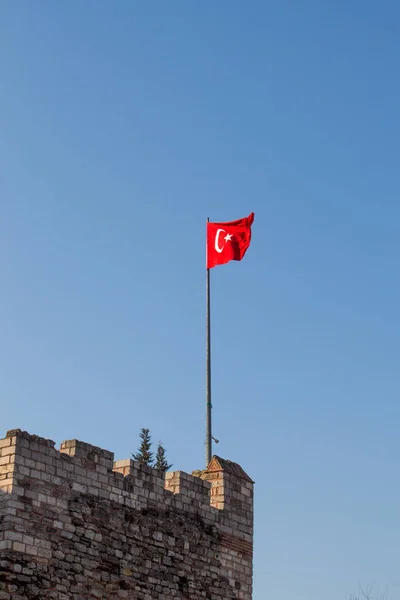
{"points": [[217, 247]]}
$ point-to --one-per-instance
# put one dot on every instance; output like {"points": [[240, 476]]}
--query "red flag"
{"points": [[228, 241]]}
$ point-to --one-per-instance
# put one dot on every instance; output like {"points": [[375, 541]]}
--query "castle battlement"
{"points": [[165, 535]]}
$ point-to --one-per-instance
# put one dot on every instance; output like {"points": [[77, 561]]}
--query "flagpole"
{"points": [[208, 365]]}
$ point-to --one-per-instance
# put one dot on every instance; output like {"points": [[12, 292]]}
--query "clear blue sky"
{"points": [[123, 125]]}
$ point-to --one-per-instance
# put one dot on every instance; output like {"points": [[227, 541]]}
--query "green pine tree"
{"points": [[161, 459], [144, 455]]}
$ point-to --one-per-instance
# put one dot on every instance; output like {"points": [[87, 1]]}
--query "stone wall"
{"points": [[76, 525]]}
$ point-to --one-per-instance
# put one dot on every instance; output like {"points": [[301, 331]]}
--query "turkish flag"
{"points": [[228, 241]]}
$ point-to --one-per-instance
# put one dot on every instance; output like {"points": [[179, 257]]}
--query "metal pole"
{"points": [[208, 368]]}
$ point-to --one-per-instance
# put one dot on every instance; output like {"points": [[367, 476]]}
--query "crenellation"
{"points": [[127, 527], [193, 487], [91, 457]]}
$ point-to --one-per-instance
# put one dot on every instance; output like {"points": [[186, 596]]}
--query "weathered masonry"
{"points": [[76, 525]]}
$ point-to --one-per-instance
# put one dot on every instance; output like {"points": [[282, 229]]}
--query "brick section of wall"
{"points": [[76, 525], [240, 546]]}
